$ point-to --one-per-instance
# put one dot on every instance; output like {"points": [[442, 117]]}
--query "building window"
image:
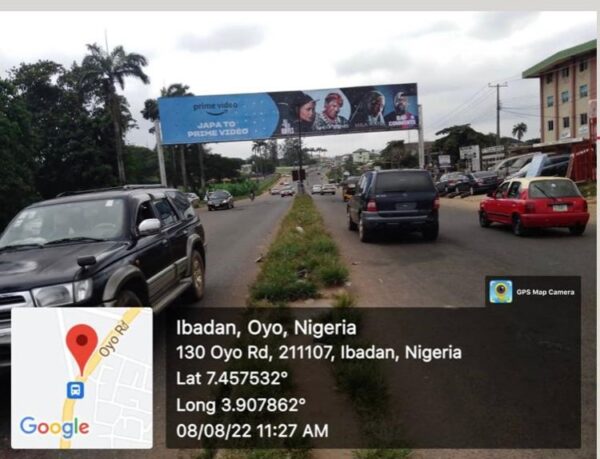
{"points": [[583, 119], [550, 101], [565, 72], [564, 97], [583, 65], [551, 125], [548, 78], [583, 92], [565, 121]]}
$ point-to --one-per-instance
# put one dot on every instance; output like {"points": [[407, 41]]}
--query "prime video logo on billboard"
{"points": [[236, 117]]}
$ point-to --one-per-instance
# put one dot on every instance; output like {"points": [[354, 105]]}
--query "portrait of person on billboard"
{"points": [[330, 118], [402, 116], [297, 112], [369, 111]]}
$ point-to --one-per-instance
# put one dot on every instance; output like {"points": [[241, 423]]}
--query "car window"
{"points": [[99, 219], [166, 213], [402, 181], [553, 189], [182, 203], [144, 212], [501, 190], [513, 191]]}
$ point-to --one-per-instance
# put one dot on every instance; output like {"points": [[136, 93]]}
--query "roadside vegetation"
{"points": [[588, 189], [302, 259]]}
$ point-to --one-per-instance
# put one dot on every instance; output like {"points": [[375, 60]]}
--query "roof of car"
{"points": [[527, 180], [108, 193]]}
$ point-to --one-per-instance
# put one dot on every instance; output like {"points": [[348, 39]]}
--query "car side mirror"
{"points": [[149, 226]]}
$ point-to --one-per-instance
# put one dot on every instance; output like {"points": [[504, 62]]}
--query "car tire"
{"points": [[196, 290], [363, 233], [127, 298], [351, 225], [431, 232], [517, 226], [210, 209], [577, 230], [484, 222]]}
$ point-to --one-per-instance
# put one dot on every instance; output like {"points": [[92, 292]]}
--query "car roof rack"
{"points": [[114, 188]]}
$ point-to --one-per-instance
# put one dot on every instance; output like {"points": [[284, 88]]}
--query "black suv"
{"points": [[127, 246], [404, 199]]}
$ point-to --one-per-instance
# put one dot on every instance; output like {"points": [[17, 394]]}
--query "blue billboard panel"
{"points": [[224, 118]]}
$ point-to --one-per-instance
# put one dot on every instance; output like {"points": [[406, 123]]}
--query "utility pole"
{"points": [[498, 86]]}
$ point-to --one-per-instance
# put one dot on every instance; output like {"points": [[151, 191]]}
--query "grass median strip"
{"points": [[302, 259]]}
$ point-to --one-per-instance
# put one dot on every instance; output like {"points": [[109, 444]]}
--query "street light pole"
{"points": [[161, 156], [300, 181]]}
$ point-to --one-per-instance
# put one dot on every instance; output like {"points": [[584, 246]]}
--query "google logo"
{"points": [[28, 425]]}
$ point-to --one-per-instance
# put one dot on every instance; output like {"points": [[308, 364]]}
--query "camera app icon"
{"points": [[501, 291]]}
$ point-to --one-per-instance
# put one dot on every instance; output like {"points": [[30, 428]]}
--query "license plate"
{"points": [[406, 205], [560, 207]]}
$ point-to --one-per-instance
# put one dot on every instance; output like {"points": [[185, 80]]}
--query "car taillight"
{"points": [[436, 203], [371, 206], [529, 207]]}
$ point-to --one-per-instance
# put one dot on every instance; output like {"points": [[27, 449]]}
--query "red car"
{"points": [[536, 202]]}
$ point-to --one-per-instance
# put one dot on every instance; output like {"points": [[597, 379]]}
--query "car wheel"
{"points": [[483, 220], [127, 298], [363, 233], [577, 230], [196, 291], [430, 232], [517, 226], [351, 225], [210, 209]]}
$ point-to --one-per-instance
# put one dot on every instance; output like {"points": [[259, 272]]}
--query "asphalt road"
{"points": [[405, 271], [236, 238]]}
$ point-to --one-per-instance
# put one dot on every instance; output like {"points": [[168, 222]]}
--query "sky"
{"points": [[452, 56]]}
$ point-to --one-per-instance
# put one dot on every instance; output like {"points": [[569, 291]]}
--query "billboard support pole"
{"points": [[421, 142], [161, 156]]}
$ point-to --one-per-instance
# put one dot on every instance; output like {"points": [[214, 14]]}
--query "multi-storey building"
{"points": [[567, 85]]}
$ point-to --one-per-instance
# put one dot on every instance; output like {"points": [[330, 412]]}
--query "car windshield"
{"points": [[403, 181], [218, 195], [74, 221], [553, 189]]}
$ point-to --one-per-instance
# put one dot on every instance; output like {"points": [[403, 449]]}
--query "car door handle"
{"points": [[164, 242], [185, 231]]}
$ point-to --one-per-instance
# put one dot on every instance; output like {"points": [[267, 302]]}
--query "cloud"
{"points": [[495, 26], [436, 27], [230, 38], [363, 63]]}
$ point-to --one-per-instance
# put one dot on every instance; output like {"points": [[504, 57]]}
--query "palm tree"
{"points": [[258, 148], [106, 70], [150, 112], [519, 129]]}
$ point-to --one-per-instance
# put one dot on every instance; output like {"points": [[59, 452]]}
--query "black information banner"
{"points": [[506, 375]]}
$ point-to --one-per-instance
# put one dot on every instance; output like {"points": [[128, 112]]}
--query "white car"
{"points": [[328, 188], [287, 191], [315, 189]]}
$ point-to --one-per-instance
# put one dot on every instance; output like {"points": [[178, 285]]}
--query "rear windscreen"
{"points": [[403, 181], [553, 189]]}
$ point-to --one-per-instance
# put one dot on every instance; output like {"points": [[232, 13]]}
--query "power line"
{"points": [[460, 111]]}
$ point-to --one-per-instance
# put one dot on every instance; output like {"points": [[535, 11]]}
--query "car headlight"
{"points": [[62, 294], [53, 295], [82, 290]]}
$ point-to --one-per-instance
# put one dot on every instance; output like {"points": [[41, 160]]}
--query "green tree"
{"points": [[394, 156], [150, 112], [519, 130], [106, 70], [16, 153], [461, 136]]}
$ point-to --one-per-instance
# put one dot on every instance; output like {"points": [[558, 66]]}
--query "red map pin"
{"points": [[81, 341]]}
